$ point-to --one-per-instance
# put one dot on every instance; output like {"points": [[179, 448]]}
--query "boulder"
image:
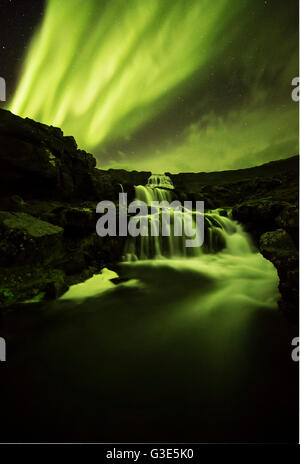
{"points": [[25, 283], [30, 249], [25, 239], [75, 220], [278, 247], [258, 216], [288, 219]]}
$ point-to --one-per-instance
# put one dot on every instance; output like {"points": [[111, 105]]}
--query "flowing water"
{"points": [[188, 347], [165, 238]]}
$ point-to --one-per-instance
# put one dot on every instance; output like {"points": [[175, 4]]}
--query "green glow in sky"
{"points": [[166, 85], [100, 70]]}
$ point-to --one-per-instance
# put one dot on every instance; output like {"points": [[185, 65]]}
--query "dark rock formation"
{"points": [[257, 176], [37, 160], [25, 238], [278, 247], [48, 195], [40, 258]]}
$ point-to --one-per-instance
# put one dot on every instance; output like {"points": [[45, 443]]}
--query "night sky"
{"points": [[18, 20], [161, 85]]}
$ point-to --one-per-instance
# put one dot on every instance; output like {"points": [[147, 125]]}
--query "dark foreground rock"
{"points": [[38, 161], [48, 195], [278, 247], [39, 259]]}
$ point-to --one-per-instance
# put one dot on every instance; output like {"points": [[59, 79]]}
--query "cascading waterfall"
{"points": [[157, 244], [162, 181], [220, 233], [225, 272], [223, 232]]}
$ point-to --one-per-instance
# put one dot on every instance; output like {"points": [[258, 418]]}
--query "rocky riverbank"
{"points": [[48, 193]]}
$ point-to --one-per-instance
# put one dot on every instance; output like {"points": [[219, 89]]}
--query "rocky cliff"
{"points": [[48, 194]]}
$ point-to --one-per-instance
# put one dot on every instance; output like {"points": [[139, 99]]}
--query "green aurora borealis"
{"points": [[167, 85]]}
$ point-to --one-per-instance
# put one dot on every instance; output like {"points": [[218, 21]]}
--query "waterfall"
{"points": [[159, 180], [164, 239], [224, 233], [220, 232]]}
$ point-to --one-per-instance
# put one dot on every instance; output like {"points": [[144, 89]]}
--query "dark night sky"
{"points": [[18, 19], [234, 110]]}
